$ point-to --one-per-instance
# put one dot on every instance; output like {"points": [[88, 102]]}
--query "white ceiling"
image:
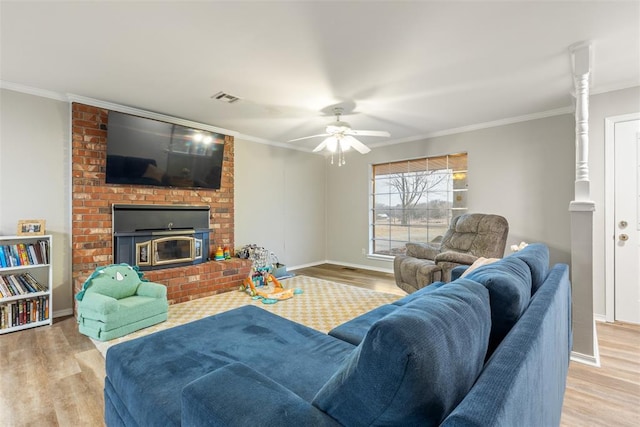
{"points": [[413, 68]]}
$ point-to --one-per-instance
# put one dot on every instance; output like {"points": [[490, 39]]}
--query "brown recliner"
{"points": [[469, 237]]}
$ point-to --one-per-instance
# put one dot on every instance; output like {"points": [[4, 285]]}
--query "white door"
{"points": [[627, 221]]}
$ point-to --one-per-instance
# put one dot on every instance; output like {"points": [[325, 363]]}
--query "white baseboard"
{"points": [[585, 359], [343, 264], [360, 266], [63, 313], [600, 318], [310, 264], [588, 359]]}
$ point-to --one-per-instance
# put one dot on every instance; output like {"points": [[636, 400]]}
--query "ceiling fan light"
{"points": [[345, 144], [332, 144]]}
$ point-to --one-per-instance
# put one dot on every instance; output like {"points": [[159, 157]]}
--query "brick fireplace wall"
{"points": [[92, 236]]}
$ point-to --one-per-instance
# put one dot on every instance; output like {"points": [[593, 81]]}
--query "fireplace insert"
{"points": [[160, 236]]}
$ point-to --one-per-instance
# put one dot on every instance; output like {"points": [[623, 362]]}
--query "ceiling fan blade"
{"points": [[307, 137], [357, 145], [321, 146], [369, 132]]}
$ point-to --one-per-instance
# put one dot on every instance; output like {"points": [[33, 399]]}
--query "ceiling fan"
{"points": [[340, 137]]}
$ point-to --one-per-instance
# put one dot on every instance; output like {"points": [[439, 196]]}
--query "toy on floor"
{"points": [[274, 291], [261, 276]]}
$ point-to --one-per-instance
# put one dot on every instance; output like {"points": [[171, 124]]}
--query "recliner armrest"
{"points": [[150, 289], [99, 303], [457, 257], [422, 250], [238, 395]]}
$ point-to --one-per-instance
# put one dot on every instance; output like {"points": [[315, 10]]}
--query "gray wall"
{"points": [[34, 177], [523, 171], [307, 211], [600, 107], [280, 202], [279, 192]]}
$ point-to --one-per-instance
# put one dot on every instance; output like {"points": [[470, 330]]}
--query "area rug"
{"points": [[322, 305]]}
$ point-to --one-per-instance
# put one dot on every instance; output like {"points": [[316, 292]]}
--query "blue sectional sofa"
{"points": [[489, 349]]}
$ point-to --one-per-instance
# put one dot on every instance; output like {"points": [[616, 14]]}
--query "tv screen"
{"points": [[142, 151]]}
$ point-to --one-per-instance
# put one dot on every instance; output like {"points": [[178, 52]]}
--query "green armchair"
{"points": [[115, 301], [469, 237]]}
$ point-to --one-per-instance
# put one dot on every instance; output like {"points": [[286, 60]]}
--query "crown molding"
{"points": [[149, 114], [65, 97], [69, 97], [478, 126], [43, 93], [255, 139]]}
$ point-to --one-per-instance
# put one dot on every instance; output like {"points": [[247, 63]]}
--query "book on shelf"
{"points": [[33, 250], [25, 284], [4, 287], [12, 289], [20, 284], [37, 285], [44, 248], [20, 254], [24, 312], [8, 253], [15, 255], [17, 285]]}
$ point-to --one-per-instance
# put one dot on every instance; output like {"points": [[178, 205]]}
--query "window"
{"points": [[415, 200]]}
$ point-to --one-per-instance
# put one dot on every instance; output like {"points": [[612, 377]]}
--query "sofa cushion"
{"points": [[415, 364], [149, 373], [479, 263], [536, 255], [355, 329], [419, 293], [509, 285]]}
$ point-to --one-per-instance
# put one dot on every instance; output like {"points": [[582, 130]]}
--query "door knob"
{"points": [[624, 237], [623, 224]]}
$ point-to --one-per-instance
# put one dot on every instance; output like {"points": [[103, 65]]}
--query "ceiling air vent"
{"points": [[225, 97]]}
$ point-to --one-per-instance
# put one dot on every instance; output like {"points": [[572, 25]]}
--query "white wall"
{"points": [[600, 107], [523, 171], [280, 202], [34, 177]]}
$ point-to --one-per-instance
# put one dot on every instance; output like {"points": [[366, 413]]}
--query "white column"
{"points": [[581, 59], [581, 208]]}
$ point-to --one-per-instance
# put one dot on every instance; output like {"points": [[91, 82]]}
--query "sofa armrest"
{"points": [[456, 272], [153, 290], [99, 303], [456, 257], [238, 395]]}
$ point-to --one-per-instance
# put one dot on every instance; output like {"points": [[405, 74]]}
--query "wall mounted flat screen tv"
{"points": [[142, 151]]}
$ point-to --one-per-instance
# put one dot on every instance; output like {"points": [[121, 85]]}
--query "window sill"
{"points": [[379, 257]]}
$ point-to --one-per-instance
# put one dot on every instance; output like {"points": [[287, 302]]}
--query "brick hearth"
{"points": [[91, 214]]}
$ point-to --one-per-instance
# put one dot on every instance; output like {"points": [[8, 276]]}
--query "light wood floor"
{"points": [[53, 376]]}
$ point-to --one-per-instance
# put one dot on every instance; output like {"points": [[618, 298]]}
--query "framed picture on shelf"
{"points": [[31, 227]]}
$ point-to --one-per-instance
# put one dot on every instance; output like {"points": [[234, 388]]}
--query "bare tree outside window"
{"points": [[414, 200], [411, 188]]}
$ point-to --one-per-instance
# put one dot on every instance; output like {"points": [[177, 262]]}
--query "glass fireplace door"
{"points": [[168, 250]]}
